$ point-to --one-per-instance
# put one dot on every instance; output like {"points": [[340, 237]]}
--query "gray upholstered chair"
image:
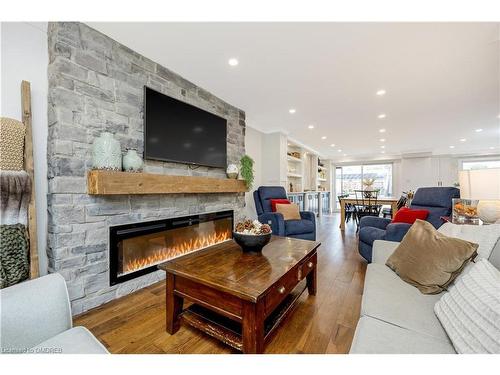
{"points": [[36, 318]]}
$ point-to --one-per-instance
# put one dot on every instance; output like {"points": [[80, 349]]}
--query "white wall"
{"points": [[24, 56], [253, 148]]}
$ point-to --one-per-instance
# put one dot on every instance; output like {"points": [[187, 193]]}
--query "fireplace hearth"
{"points": [[136, 249]]}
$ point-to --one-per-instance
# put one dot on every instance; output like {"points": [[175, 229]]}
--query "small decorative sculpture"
{"points": [[232, 171], [132, 162]]}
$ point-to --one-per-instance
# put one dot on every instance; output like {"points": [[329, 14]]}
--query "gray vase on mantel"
{"points": [[132, 162], [106, 153]]}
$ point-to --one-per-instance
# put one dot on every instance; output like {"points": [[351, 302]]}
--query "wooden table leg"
{"points": [[253, 327], [394, 208], [312, 281], [342, 214], [174, 305]]}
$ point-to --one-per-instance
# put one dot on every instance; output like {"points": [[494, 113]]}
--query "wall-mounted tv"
{"points": [[179, 132]]}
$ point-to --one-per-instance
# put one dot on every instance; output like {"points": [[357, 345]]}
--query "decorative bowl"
{"points": [[251, 242]]}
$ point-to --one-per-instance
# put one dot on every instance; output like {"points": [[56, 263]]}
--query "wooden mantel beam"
{"points": [[115, 183]]}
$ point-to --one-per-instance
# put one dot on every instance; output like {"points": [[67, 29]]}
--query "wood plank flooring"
{"points": [[324, 323]]}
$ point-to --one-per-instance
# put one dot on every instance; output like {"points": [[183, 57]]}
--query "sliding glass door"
{"points": [[350, 177]]}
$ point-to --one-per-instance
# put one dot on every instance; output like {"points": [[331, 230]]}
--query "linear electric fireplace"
{"points": [[136, 249]]}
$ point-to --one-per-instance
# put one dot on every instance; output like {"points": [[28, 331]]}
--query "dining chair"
{"points": [[366, 205]]}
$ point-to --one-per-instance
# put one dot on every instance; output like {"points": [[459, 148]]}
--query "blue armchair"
{"points": [[304, 229], [435, 199]]}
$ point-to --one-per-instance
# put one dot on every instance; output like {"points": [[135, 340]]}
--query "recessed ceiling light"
{"points": [[381, 130], [463, 139], [323, 137], [452, 146], [479, 130], [345, 154], [381, 92], [498, 116], [382, 146], [332, 145], [292, 110], [382, 116], [383, 152], [382, 139], [339, 150], [492, 148], [233, 61], [310, 127]]}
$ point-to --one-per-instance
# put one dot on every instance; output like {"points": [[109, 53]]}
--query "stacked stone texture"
{"points": [[95, 85]]}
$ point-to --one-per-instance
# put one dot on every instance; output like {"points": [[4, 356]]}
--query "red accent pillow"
{"points": [[408, 215], [274, 202]]}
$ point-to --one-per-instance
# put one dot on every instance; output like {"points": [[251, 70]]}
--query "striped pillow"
{"points": [[470, 311]]}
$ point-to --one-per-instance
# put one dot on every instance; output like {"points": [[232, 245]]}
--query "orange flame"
{"points": [[157, 256]]}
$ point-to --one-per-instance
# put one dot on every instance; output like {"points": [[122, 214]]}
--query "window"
{"points": [[483, 164], [350, 177]]}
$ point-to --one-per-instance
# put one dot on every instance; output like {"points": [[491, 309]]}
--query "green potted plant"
{"points": [[246, 170]]}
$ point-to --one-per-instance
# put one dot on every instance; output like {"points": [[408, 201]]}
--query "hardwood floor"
{"points": [[323, 323]]}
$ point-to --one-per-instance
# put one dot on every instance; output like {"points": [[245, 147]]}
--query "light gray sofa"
{"points": [[35, 317], [395, 317]]}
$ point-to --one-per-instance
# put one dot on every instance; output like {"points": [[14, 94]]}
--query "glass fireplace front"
{"points": [[136, 249]]}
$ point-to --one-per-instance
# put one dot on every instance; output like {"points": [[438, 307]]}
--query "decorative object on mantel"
{"points": [[12, 133], [246, 170], [252, 236], [482, 185], [132, 162], [232, 171], [106, 153], [119, 183]]}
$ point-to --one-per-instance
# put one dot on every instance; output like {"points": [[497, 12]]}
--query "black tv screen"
{"points": [[179, 132]]}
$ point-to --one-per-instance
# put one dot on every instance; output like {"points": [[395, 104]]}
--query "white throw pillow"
{"points": [[470, 311], [486, 236]]}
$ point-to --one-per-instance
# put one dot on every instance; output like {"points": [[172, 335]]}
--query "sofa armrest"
{"points": [[374, 221], [34, 311], [382, 250], [396, 231], [308, 215], [275, 220]]}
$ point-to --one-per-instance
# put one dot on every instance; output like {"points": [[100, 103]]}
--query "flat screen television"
{"points": [[179, 132]]}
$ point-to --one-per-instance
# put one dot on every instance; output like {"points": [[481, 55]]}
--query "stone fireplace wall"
{"points": [[95, 85]]}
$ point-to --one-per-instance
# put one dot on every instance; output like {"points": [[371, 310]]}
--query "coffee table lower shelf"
{"points": [[229, 331]]}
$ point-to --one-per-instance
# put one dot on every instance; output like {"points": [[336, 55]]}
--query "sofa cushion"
{"points": [[470, 312], [274, 202], [382, 250], [374, 336], [429, 260], [388, 298], [289, 211], [409, 215], [370, 234], [298, 226], [77, 340]]}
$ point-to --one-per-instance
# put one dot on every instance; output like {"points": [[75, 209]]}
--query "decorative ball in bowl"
{"points": [[252, 236]]}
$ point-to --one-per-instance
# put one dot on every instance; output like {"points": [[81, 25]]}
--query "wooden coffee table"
{"points": [[240, 298]]}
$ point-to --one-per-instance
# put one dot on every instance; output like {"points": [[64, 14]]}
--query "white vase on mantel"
{"points": [[232, 171], [106, 153], [132, 162]]}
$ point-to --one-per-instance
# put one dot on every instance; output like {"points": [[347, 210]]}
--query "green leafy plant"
{"points": [[246, 170]]}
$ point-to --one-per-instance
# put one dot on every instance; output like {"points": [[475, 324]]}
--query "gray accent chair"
{"points": [[36, 317]]}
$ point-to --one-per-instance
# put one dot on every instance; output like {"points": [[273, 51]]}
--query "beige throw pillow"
{"points": [[430, 260], [289, 211]]}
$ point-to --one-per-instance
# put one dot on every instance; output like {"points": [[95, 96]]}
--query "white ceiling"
{"points": [[442, 79]]}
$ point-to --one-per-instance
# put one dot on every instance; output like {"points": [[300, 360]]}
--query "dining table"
{"points": [[390, 201]]}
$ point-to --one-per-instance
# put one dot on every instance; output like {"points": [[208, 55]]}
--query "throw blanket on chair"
{"points": [[15, 193]]}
